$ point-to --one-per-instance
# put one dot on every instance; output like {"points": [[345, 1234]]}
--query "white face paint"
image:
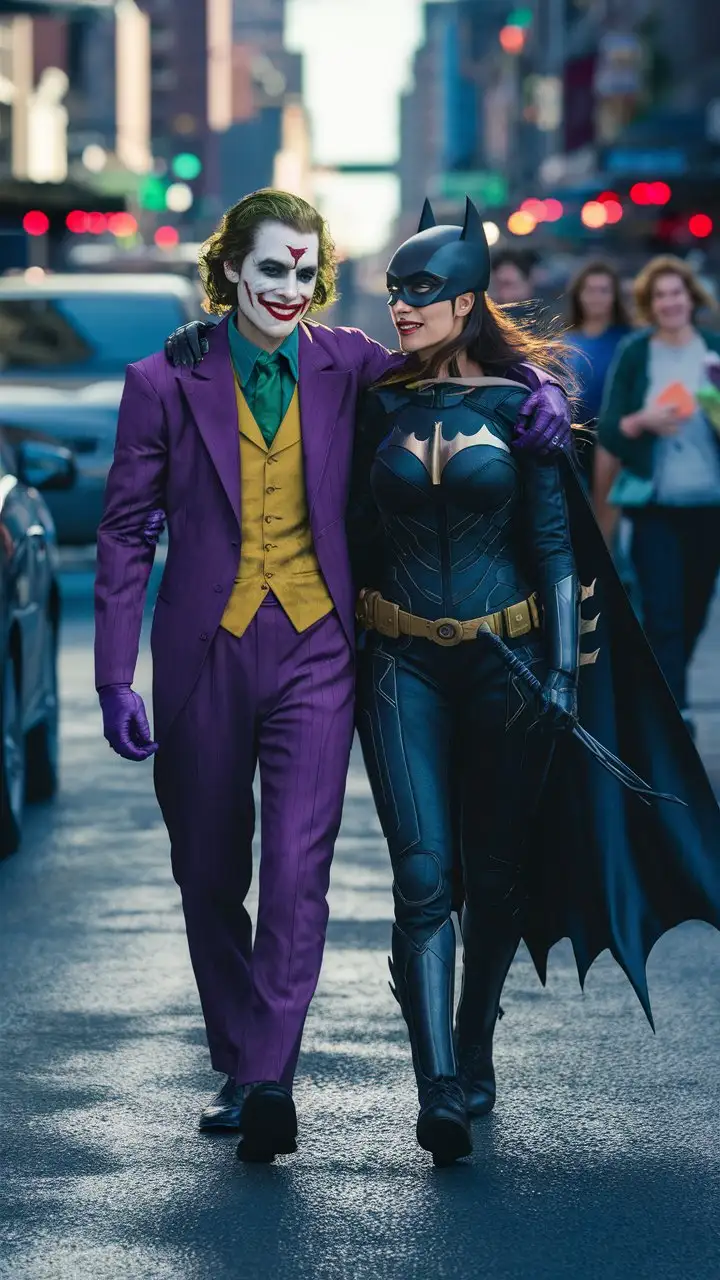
{"points": [[276, 281]]}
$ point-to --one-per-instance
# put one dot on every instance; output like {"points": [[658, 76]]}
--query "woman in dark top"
{"points": [[598, 322], [452, 523]]}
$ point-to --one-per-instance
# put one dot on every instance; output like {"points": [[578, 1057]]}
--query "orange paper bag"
{"points": [[678, 398]]}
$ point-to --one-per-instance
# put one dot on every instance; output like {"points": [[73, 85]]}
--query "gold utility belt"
{"points": [[376, 614]]}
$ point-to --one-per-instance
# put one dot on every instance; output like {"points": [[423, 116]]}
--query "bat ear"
{"points": [[427, 217], [473, 228]]}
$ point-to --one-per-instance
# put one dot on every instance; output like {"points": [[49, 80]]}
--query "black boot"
{"points": [[424, 981], [490, 941]]}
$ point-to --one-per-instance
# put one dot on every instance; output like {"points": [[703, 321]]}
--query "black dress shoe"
{"points": [[224, 1110], [443, 1128], [269, 1123]]}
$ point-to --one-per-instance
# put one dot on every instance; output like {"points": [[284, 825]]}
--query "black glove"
{"points": [[562, 637], [188, 344], [560, 698]]}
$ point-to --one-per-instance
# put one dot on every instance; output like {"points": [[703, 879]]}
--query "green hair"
{"points": [[234, 239]]}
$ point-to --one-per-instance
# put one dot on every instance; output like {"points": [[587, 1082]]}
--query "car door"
{"points": [[25, 550]]}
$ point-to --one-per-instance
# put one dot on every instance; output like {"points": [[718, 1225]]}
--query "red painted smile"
{"points": [[279, 312]]}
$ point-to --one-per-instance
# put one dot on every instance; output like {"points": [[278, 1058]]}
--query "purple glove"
{"points": [[125, 722], [154, 526], [543, 424]]}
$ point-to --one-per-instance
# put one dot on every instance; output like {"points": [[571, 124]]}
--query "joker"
{"points": [[247, 452]]}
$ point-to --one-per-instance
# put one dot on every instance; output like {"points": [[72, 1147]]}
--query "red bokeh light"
{"points": [[76, 221], [122, 225], [700, 225], [166, 237], [96, 224], [537, 208], [608, 197], [36, 223], [512, 39], [613, 209], [640, 193], [553, 210], [659, 192]]}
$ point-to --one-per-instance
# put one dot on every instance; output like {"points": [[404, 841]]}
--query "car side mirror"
{"points": [[45, 466]]}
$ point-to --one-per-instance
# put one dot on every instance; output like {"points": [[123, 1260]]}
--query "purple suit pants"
{"points": [[282, 700]]}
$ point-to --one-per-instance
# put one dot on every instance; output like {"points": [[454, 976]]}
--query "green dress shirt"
{"points": [[268, 379]]}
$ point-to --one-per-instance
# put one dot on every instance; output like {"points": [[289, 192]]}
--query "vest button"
{"points": [[203, 635], [270, 488], [217, 587], [268, 575], [265, 586], [268, 519]]}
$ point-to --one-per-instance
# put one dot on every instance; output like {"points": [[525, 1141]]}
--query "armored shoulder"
{"points": [[500, 405]]}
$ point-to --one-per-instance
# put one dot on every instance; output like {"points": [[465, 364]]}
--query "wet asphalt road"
{"points": [[600, 1161]]}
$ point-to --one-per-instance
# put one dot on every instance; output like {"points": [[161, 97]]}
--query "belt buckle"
{"points": [[517, 619], [447, 632]]}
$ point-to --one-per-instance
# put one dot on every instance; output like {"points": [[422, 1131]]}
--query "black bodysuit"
{"points": [[447, 522]]}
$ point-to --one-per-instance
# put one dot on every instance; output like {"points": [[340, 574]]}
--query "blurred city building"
{"points": [[576, 125], [164, 111]]}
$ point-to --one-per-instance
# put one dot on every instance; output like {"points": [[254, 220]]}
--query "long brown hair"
{"points": [[496, 342], [619, 316]]}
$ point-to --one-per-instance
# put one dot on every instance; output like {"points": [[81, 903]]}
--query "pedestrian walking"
{"points": [[669, 482], [598, 322], [512, 278]]}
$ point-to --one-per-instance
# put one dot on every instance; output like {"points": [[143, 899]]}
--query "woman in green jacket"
{"points": [[669, 485]]}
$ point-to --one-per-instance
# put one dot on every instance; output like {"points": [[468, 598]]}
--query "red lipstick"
{"points": [[278, 311]]}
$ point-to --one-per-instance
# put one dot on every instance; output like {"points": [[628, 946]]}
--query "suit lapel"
{"points": [[211, 394], [322, 388]]}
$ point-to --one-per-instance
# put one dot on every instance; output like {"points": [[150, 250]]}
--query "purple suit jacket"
{"points": [[178, 449]]}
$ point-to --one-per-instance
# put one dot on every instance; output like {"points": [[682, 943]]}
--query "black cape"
{"points": [[612, 872]]}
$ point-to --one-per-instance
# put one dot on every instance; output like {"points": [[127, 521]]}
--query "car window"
{"points": [[97, 333]]}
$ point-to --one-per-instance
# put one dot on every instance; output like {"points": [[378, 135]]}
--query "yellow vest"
{"points": [[276, 551]]}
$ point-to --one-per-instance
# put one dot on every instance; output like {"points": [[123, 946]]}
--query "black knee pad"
{"points": [[419, 878]]}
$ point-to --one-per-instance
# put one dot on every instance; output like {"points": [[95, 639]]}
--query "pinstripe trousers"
{"points": [[283, 701]]}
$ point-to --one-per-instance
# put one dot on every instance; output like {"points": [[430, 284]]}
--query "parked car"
{"points": [[65, 342], [82, 419], [74, 329], [29, 626]]}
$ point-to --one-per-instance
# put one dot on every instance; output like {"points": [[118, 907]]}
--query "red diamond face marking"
{"points": [[296, 253]]}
